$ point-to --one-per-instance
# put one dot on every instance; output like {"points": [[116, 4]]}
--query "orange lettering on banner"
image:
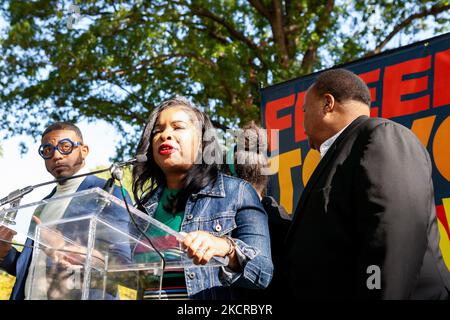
{"points": [[369, 78], [309, 165], [374, 112], [422, 129], [441, 147], [443, 217], [441, 96], [394, 87], [299, 116], [272, 120], [287, 161]]}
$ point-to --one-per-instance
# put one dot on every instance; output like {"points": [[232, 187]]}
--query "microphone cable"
{"points": [[122, 189]]}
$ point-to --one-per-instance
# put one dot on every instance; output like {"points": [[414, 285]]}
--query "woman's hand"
{"points": [[202, 246]]}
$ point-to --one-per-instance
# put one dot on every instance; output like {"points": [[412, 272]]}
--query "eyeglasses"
{"points": [[64, 146]]}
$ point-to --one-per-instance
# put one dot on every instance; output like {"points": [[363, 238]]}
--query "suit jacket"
{"points": [[369, 204], [17, 263]]}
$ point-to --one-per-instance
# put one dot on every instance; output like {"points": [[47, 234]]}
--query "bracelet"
{"points": [[231, 245]]}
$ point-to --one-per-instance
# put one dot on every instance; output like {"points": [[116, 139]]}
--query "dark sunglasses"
{"points": [[64, 146]]}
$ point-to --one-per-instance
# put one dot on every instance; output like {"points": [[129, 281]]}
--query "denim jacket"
{"points": [[230, 207]]}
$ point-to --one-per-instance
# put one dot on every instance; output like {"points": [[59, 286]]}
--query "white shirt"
{"points": [[324, 147], [51, 212]]}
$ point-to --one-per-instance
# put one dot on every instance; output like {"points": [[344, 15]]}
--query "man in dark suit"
{"points": [[64, 153], [365, 226]]}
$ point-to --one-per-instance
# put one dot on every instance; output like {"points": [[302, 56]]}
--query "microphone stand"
{"points": [[15, 196], [116, 174]]}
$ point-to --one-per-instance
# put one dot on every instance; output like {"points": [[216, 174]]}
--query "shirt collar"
{"points": [[73, 184], [324, 147]]}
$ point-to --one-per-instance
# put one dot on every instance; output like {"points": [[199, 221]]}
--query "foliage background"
{"points": [[117, 59]]}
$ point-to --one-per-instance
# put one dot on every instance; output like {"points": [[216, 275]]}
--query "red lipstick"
{"points": [[166, 149]]}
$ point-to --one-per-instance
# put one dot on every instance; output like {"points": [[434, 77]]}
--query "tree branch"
{"points": [[213, 34], [279, 36], [292, 28], [158, 60], [434, 10], [202, 12], [310, 56], [260, 8]]}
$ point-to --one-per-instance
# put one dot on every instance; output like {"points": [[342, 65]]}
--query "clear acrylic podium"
{"points": [[96, 250]]}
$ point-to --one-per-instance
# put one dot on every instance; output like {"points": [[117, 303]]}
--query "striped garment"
{"points": [[173, 282], [173, 287]]}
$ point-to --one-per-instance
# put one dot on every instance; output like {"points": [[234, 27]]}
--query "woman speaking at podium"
{"points": [[180, 185]]}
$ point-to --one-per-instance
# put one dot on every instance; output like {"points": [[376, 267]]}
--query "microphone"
{"points": [[138, 159], [14, 199], [17, 194], [117, 173]]}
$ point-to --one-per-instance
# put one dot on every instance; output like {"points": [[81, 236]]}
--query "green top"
{"points": [[173, 285], [172, 220], [168, 218]]}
